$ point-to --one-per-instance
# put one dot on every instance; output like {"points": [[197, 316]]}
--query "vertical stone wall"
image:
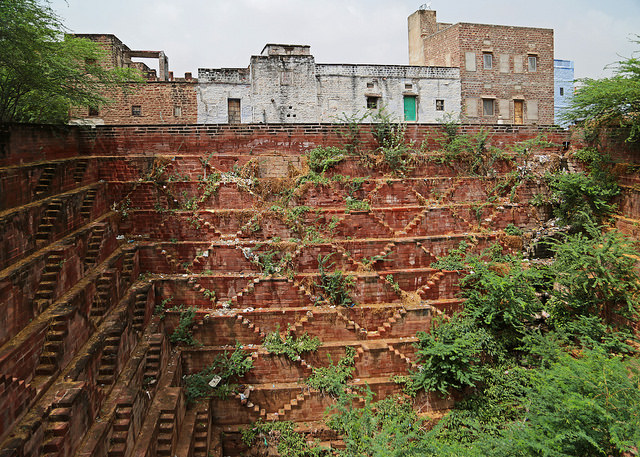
{"points": [[152, 102]]}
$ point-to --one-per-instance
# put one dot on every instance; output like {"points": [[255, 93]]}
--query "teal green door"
{"points": [[409, 108]]}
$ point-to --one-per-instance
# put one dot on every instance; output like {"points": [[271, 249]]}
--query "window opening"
{"points": [[487, 107]]}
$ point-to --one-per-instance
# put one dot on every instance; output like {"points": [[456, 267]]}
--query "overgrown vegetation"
{"points": [[281, 436], [609, 102], [581, 198], [332, 379], [290, 345], [182, 333], [336, 285], [229, 368]]}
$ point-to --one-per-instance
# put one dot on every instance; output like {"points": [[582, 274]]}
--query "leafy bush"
{"points": [[501, 295], [583, 406], [450, 355], [228, 367], [335, 285], [596, 276], [583, 198], [321, 159], [512, 230], [489, 410], [606, 102], [454, 260], [282, 436], [289, 345], [353, 204], [379, 429], [182, 333], [332, 380]]}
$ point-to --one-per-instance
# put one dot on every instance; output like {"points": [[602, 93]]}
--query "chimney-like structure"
{"points": [[422, 23]]}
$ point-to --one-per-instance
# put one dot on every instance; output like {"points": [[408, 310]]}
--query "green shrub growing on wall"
{"points": [[290, 345], [182, 333], [332, 379], [335, 285], [228, 367]]}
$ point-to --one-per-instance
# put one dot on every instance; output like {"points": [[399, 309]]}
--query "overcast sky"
{"points": [[225, 33]]}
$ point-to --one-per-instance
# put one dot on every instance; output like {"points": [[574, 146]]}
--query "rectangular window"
{"points": [[471, 107], [177, 111], [408, 86], [562, 91], [504, 63], [487, 59], [369, 85], [533, 64], [487, 106], [517, 64], [285, 77], [93, 111], [136, 110], [372, 102], [234, 110], [439, 105], [532, 110], [470, 61]]}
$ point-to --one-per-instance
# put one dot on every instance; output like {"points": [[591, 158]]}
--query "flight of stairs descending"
{"points": [[166, 433], [152, 360], [128, 264], [120, 430], [94, 243], [45, 228], [201, 434], [102, 298], [81, 168], [109, 360], [53, 348], [139, 309], [49, 280], [45, 180], [87, 203]]}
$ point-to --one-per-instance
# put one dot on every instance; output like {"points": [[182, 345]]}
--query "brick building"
{"points": [[160, 100], [506, 72]]}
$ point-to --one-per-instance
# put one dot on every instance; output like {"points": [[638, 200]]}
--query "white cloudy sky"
{"points": [[224, 33]]}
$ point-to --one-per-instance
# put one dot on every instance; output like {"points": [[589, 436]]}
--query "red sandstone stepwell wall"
{"points": [[21, 144], [281, 138]]}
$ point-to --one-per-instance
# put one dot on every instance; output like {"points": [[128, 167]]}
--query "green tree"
{"points": [[595, 275], [609, 101], [43, 72]]}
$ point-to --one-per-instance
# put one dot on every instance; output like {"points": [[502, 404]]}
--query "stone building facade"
{"points": [[506, 72], [285, 85]]}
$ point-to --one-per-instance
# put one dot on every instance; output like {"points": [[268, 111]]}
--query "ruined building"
{"points": [[485, 74]]}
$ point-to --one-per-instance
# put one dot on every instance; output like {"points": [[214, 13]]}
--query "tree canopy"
{"points": [[609, 101], [43, 72]]}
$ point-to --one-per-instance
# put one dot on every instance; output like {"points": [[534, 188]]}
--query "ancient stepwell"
{"points": [[115, 238]]}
